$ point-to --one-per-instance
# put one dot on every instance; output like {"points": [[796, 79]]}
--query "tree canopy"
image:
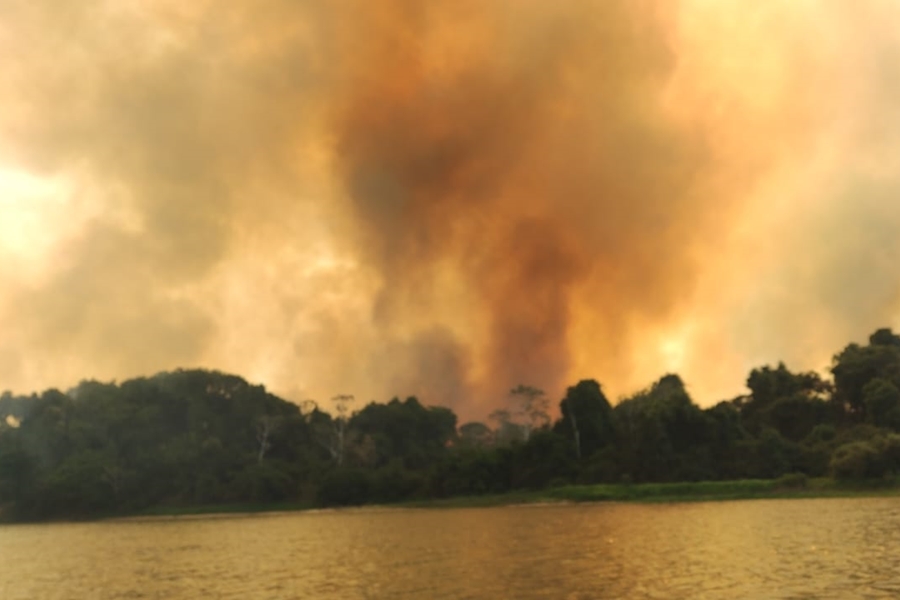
{"points": [[195, 437]]}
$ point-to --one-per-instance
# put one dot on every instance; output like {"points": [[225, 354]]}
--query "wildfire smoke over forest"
{"points": [[445, 198]]}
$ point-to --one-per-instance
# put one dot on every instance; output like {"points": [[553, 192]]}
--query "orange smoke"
{"points": [[533, 159], [445, 198]]}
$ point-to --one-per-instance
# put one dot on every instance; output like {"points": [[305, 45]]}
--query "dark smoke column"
{"points": [[504, 174]]}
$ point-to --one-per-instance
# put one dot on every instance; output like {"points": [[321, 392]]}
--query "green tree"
{"points": [[857, 365], [587, 418], [662, 434], [530, 408], [867, 459], [882, 401], [408, 432], [726, 433], [791, 403]]}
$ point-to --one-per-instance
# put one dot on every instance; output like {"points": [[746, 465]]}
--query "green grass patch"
{"points": [[789, 486], [212, 509], [700, 491], [664, 492]]}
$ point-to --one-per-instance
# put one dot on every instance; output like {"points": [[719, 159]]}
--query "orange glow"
{"points": [[445, 199]]}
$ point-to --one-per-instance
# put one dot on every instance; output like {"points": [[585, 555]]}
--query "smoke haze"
{"points": [[447, 198]]}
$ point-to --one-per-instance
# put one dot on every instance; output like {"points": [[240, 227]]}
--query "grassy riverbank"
{"points": [[785, 487], [701, 491]]}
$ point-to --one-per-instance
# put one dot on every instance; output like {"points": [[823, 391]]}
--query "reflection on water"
{"points": [[760, 549]]}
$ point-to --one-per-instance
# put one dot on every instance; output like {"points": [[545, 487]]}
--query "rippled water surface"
{"points": [[825, 548]]}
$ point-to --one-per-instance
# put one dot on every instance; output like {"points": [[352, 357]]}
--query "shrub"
{"points": [[792, 481], [857, 460], [344, 487]]}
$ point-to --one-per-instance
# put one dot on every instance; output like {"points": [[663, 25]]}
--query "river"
{"points": [[822, 548]]}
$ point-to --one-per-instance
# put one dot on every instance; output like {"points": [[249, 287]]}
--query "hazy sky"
{"points": [[445, 198]]}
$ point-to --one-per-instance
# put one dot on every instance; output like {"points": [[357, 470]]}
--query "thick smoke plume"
{"points": [[444, 198], [530, 157]]}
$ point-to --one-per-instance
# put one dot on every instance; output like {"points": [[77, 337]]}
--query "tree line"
{"points": [[195, 437]]}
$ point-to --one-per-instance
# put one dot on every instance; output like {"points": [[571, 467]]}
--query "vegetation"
{"points": [[189, 440]]}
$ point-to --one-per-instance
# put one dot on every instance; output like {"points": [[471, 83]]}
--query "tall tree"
{"points": [[529, 408], [855, 366], [791, 403], [882, 401], [342, 404], [586, 418]]}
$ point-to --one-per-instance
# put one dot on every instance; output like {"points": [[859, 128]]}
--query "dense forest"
{"points": [[196, 437]]}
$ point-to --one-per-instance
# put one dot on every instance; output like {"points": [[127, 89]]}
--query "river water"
{"points": [[825, 548]]}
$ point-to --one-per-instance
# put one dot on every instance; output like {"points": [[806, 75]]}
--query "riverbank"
{"points": [[792, 486], [700, 491]]}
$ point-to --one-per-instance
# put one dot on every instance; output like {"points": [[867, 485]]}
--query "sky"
{"points": [[445, 199]]}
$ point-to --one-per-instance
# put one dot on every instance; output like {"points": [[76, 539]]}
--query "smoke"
{"points": [[827, 216], [171, 145], [447, 198], [532, 158]]}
